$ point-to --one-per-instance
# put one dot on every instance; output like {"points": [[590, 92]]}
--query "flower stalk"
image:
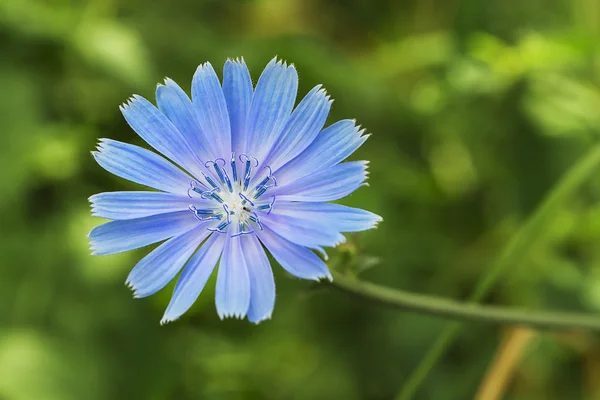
{"points": [[445, 308]]}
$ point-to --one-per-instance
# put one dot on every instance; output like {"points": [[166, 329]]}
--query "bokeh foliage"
{"points": [[476, 108]]}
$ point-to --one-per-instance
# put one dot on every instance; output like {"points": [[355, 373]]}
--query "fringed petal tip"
{"points": [[240, 315], [166, 82], [236, 60], [135, 291], [204, 66], [322, 252], [131, 287], [259, 320], [323, 92], [166, 319], [131, 100], [105, 144], [277, 61], [376, 220]]}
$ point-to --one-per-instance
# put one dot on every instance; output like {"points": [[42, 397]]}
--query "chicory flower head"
{"points": [[240, 168]]}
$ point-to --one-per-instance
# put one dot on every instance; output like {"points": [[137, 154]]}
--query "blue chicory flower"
{"points": [[246, 170]]}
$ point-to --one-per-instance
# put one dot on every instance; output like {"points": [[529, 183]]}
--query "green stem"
{"points": [[464, 311], [513, 253]]}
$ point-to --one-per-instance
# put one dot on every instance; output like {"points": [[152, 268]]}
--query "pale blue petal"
{"points": [[323, 215], [131, 205], [295, 259], [177, 106], [302, 231], [158, 268], [118, 236], [325, 185], [237, 87], [194, 277], [272, 104], [156, 129], [304, 124], [333, 145], [141, 166], [211, 109], [233, 283], [262, 283]]}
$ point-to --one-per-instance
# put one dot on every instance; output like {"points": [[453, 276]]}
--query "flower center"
{"points": [[233, 201]]}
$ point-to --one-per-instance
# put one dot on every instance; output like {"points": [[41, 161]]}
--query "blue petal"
{"points": [[333, 145], [327, 216], [194, 277], [325, 185], [118, 236], [141, 166], [271, 107], [237, 87], [302, 231], [131, 205], [177, 106], [262, 284], [305, 123], [211, 109], [233, 283], [154, 127], [158, 268], [297, 260]]}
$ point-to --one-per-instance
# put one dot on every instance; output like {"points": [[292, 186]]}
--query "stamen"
{"points": [[217, 198], [247, 179], [208, 194], [245, 199], [195, 188], [233, 167], [267, 206], [248, 170], [254, 218], [271, 205], [219, 228], [263, 182], [242, 226], [228, 182], [203, 211], [260, 192], [227, 213], [262, 187], [209, 218], [209, 214], [210, 181], [221, 173]]}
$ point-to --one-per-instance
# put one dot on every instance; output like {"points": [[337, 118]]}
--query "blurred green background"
{"points": [[476, 109]]}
